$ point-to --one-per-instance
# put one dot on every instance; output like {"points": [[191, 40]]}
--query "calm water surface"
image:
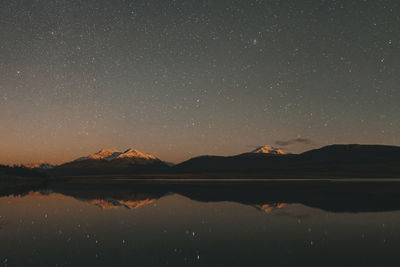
{"points": [[46, 228]]}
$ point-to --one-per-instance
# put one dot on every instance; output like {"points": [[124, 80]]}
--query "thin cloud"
{"points": [[304, 141]]}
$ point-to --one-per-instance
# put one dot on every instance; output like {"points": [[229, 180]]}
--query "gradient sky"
{"points": [[184, 78]]}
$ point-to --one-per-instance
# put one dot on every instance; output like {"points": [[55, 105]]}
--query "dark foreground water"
{"points": [[129, 225]]}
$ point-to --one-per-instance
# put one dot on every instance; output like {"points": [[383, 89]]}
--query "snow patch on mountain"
{"points": [[134, 153], [268, 150], [107, 154]]}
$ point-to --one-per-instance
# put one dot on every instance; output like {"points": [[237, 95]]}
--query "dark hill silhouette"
{"points": [[242, 162], [353, 154], [348, 161], [18, 171], [96, 167], [329, 161]]}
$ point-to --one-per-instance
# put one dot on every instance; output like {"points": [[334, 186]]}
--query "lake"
{"points": [[163, 224]]}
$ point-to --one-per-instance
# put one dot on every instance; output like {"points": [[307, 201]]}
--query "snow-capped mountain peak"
{"points": [[106, 154], [134, 153], [268, 150], [111, 154]]}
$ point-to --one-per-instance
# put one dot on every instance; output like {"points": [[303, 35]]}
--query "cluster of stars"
{"points": [[118, 69]]}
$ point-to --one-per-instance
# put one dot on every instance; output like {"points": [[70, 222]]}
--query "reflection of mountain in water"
{"points": [[108, 204], [270, 207], [266, 196], [2, 223]]}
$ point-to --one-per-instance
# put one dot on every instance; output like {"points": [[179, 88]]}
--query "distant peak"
{"points": [[40, 165], [268, 150]]}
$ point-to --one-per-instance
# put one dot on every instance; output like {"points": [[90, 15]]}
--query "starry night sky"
{"points": [[184, 78]]}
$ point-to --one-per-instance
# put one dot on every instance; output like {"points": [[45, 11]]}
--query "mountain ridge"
{"points": [[111, 161], [347, 160], [338, 160]]}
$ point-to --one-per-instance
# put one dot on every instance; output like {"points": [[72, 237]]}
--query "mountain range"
{"points": [[109, 161], [264, 162]]}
